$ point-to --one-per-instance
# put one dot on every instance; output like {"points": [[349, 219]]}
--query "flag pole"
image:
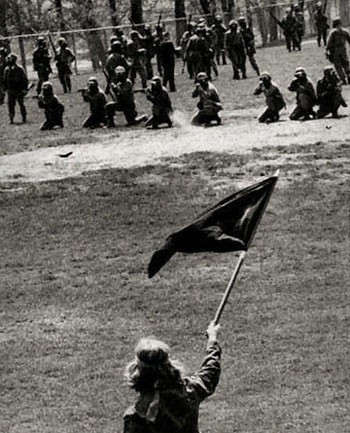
{"points": [[240, 259], [229, 287]]}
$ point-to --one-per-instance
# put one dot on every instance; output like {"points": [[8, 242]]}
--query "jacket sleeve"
{"points": [[207, 377]]}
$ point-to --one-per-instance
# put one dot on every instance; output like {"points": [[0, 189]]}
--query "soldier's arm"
{"points": [[258, 90]]}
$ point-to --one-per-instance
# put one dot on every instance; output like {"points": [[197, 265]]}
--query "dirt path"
{"points": [[125, 148]]}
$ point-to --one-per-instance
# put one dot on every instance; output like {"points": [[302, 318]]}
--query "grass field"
{"points": [[75, 296]]}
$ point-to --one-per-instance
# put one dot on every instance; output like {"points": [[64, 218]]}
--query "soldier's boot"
{"points": [[24, 114], [11, 120], [348, 75], [244, 75]]}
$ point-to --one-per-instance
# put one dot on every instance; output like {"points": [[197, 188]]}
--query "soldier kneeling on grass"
{"points": [[97, 100], [306, 96], [167, 401], [274, 98], [329, 93], [54, 109], [209, 103], [161, 104], [123, 95]]}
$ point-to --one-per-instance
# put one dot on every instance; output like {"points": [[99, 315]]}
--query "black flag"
{"points": [[228, 226]]}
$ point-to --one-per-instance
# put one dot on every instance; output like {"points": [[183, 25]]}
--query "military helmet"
{"points": [[218, 18], [120, 70], [62, 41], [336, 21], [201, 76], [134, 33], [47, 86], [93, 80], [40, 39], [242, 19], [328, 69], [265, 74], [300, 71], [319, 4], [232, 23]]}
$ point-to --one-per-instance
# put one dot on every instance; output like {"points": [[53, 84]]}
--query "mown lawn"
{"points": [[75, 295]]}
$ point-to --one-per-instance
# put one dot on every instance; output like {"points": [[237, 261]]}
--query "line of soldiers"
{"points": [[327, 96], [204, 47]]}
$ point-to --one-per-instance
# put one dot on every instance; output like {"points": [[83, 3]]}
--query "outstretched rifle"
{"points": [[277, 20]]}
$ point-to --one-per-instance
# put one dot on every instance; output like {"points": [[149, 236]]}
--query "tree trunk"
{"points": [[180, 23], [19, 25], [3, 25], [113, 11], [58, 6], [273, 26], [261, 23], [231, 9], [249, 13], [344, 12], [205, 6], [136, 11]]}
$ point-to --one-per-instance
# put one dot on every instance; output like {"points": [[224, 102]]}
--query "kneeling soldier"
{"points": [[209, 103], [161, 104], [97, 100], [123, 95], [306, 96], [53, 107], [274, 98], [329, 93]]}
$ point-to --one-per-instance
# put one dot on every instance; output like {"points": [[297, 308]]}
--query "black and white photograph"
{"points": [[174, 216]]}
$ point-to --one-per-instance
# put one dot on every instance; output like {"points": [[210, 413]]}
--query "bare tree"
{"points": [[344, 11], [180, 15], [136, 11], [3, 16], [113, 9], [272, 24], [59, 12]]}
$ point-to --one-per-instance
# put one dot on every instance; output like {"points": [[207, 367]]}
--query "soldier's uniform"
{"points": [[209, 104], [54, 109], [149, 45], [274, 98], [212, 40], [306, 96], [137, 55], [16, 86], [41, 63], [219, 29], [197, 51], [157, 41], [97, 101], [116, 58], [161, 104], [64, 59], [176, 410], [321, 24], [122, 89], [289, 25], [249, 42], [167, 60], [300, 25], [184, 42], [329, 94], [2, 70], [336, 50], [235, 50]]}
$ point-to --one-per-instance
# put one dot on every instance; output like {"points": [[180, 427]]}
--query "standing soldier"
{"points": [[2, 70], [157, 41], [336, 50], [321, 23], [249, 42], [116, 58], [167, 61], [41, 62], [184, 41], [123, 95], [274, 98], [161, 104], [289, 27], [209, 104], [300, 25], [122, 39], [197, 51], [212, 41], [149, 45], [54, 109], [219, 28], [16, 86], [306, 96], [235, 50], [97, 100], [329, 93], [137, 55], [64, 58]]}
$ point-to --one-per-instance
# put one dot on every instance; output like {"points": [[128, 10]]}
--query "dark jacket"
{"points": [[15, 79], [176, 410]]}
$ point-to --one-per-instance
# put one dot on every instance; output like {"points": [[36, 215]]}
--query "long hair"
{"points": [[153, 368]]}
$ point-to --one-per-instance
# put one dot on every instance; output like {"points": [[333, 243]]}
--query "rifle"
{"points": [[324, 7], [276, 19]]}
